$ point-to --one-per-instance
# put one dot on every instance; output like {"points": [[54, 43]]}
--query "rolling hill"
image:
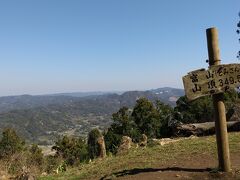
{"points": [[41, 119]]}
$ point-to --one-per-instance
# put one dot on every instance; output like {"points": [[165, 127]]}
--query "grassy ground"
{"points": [[185, 158]]}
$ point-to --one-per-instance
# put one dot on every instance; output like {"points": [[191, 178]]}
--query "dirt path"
{"points": [[195, 167]]}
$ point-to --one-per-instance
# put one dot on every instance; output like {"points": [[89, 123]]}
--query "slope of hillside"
{"points": [[8, 103], [192, 158], [41, 119]]}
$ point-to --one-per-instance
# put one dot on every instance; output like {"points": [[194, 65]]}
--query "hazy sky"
{"points": [[49, 46]]}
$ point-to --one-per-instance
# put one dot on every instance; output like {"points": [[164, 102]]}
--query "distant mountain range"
{"points": [[41, 119], [84, 94]]}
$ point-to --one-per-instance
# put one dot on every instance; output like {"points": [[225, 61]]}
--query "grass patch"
{"points": [[147, 157]]}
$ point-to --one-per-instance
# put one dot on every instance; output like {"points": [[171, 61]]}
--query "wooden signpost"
{"points": [[215, 81]]}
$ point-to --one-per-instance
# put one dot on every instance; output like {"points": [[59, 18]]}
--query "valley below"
{"points": [[42, 119]]}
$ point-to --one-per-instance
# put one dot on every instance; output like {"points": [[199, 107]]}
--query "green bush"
{"points": [[201, 109], [72, 150], [112, 141], [10, 143]]}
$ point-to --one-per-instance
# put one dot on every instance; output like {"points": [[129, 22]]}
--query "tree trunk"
{"points": [[202, 129]]}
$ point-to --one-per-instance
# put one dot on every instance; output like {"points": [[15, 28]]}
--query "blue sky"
{"points": [[50, 46]]}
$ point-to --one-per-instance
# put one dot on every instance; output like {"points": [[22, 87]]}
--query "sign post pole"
{"points": [[219, 107]]}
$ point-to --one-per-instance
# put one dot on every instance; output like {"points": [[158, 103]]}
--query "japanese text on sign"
{"points": [[216, 79]]}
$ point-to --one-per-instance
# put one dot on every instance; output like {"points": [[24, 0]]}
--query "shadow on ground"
{"points": [[145, 170]]}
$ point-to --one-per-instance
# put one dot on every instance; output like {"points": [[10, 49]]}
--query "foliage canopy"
{"points": [[10, 143], [72, 149]]}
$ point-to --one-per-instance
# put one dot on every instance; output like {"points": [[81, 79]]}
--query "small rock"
{"points": [[125, 145], [192, 137], [143, 142], [101, 143], [165, 141]]}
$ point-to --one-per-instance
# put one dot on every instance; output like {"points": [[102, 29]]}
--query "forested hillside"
{"points": [[40, 119]]}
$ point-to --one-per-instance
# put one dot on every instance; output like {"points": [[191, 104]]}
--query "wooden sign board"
{"points": [[217, 79]]}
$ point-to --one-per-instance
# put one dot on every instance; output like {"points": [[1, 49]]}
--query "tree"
{"points": [[93, 146], [73, 150], [112, 140], [124, 124], [238, 32], [121, 120], [165, 113], [146, 117], [10, 143], [201, 109]]}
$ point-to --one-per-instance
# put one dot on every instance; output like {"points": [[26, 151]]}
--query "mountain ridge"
{"points": [[41, 119]]}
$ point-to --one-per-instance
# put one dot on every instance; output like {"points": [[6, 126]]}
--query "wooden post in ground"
{"points": [[219, 107]]}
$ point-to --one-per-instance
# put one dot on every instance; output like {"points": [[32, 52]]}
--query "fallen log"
{"points": [[202, 129]]}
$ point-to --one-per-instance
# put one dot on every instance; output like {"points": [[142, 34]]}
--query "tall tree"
{"points": [[165, 113], [146, 117], [122, 121], [199, 110]]}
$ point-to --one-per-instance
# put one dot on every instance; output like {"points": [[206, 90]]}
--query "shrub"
{"points": [[72, 150], [112, 141], [16, 163], [10, 143], [35, 157], [52, 163]]}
